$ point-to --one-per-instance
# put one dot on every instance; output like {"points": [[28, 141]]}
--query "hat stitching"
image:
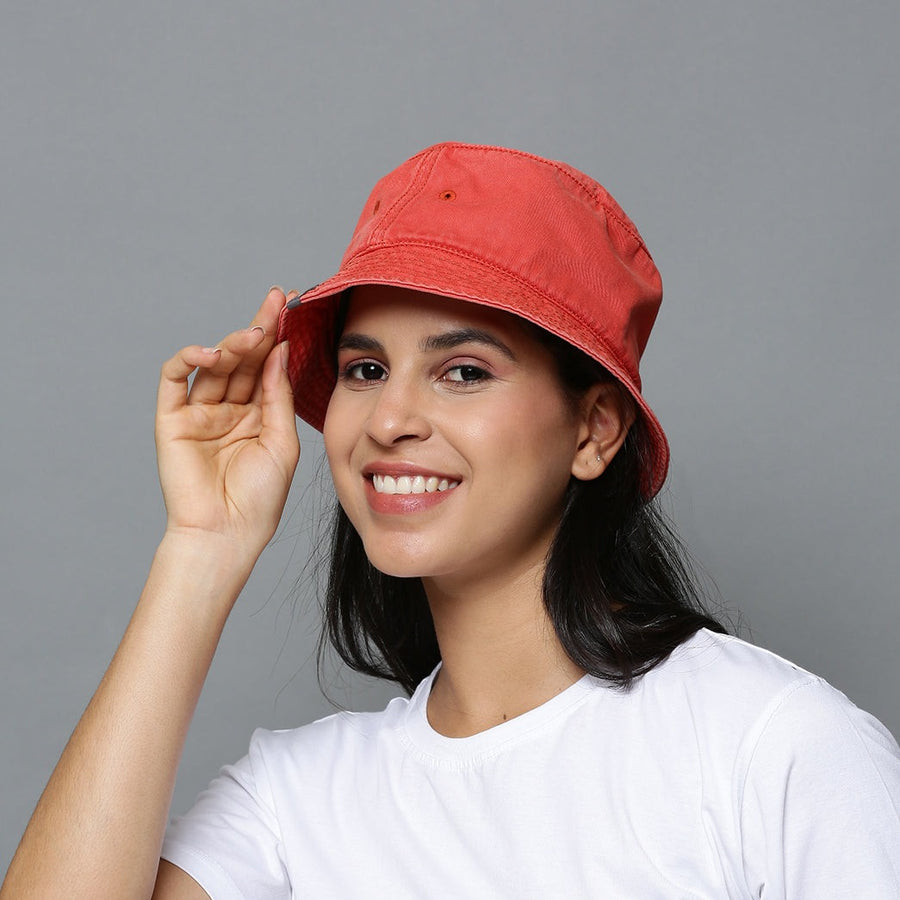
{"points": [[419, 177], [568, 313], [593, 189]]}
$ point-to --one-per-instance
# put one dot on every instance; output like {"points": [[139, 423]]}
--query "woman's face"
{"points": [[449, 437]]}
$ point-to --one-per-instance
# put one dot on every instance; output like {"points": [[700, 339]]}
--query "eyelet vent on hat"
{"points": [[447, 195]]}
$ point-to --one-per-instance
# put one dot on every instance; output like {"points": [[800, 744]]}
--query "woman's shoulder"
{"points": [[813, 779], [721, 668], [734, 692], [339, 727], [343, 732]]}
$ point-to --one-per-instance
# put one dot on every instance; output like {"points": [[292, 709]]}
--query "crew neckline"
{"points": [[697, 652], [432, 744]]}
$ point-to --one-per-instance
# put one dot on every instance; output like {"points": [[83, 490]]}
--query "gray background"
{"points": [[162, 163]]}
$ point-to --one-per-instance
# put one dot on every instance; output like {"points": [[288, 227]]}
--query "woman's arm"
{"points": [[227, 449]]}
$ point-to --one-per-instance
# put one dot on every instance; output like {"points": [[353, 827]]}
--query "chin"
{"points": [[396, 570], [399, 559]]}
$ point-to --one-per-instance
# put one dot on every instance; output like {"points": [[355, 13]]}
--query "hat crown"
{"points": [[537, 220]]}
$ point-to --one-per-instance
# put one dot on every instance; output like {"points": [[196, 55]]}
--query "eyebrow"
{"points": [[352, 341], [445, 341]]}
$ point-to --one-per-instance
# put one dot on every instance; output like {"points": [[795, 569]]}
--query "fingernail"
{"points": [[284, 355], [257, 328], [275, 287], [212, 349]]}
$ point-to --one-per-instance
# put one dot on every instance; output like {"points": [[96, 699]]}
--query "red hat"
{"points": [[505, 229]]}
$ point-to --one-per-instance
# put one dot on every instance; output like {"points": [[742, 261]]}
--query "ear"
{"points": [[606, 416]]}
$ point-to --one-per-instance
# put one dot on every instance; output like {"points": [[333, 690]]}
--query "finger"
{"points": [[172, 394], [240, 348], [279, 428], [232, 380], [269, 312], [245, 378]]}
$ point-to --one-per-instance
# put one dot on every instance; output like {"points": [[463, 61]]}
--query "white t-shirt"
{"points": [[724, 772]]}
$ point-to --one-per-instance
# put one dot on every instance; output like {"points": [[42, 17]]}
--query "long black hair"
{"points": [[618, 585]]}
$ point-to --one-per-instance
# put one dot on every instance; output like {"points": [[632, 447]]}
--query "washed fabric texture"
{"points": [[726, 772]]}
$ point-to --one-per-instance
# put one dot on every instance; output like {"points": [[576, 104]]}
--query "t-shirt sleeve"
{"points": [[229, 842], [820, 805]]}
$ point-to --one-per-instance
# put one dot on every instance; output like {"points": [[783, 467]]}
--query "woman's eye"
{"points": [[466, 374], [364, 371]]}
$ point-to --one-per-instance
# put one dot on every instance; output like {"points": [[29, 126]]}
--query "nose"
{"points": [[398, 412]]}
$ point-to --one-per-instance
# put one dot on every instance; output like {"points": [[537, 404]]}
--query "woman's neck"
{"points": [[500, 654]]}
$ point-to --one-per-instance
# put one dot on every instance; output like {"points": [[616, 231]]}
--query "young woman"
{"points": [[578, 726]]}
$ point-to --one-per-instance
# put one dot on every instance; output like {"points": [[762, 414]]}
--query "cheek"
{"points": [[537, 425], [338, 442], [530, 443], [330, 434], [341, 427]]}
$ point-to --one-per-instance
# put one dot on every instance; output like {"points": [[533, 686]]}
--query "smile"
{"points": [[411, 484]]}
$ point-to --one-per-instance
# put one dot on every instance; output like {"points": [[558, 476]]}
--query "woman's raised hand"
{"points": [[227, 448], [227, 443]]}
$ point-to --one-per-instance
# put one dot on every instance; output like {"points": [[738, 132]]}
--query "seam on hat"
{"points": [[552, 163], [592, 188], [420, 176], [601, 198], [513, 276]]}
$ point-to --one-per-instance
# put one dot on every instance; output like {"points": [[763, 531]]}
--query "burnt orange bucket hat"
{"points": [[505, 229]]}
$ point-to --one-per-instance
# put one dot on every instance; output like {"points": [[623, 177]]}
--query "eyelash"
{"points": [[347, 373], [481, 374]]}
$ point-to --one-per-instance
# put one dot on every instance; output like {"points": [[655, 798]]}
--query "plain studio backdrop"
{"points": [[163, 163]]}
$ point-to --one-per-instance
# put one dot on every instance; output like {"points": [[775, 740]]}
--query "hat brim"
{"points": [[309, 323]]}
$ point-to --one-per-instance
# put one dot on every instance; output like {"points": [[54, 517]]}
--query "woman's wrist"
{"points": [[201, 568]]}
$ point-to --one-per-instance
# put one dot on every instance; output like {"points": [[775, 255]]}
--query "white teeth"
{"points": [[411, 484]]}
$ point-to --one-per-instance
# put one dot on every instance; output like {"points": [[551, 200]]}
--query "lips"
{"points": [[404, 488]]}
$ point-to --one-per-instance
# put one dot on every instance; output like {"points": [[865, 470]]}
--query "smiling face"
{"points": [[449, 436]]}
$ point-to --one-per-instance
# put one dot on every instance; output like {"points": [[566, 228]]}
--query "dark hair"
{"points": [[617, 586]]}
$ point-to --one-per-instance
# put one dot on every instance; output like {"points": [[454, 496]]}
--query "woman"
{"points": [[474, 368]]}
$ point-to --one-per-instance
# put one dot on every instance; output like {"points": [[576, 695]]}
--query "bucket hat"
{"points": [[505, 229]]}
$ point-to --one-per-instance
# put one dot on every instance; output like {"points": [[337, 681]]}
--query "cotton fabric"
{"points": [[726, 772]]}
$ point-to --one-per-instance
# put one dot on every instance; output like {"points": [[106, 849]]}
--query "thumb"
{"points": [[279, 428]]}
